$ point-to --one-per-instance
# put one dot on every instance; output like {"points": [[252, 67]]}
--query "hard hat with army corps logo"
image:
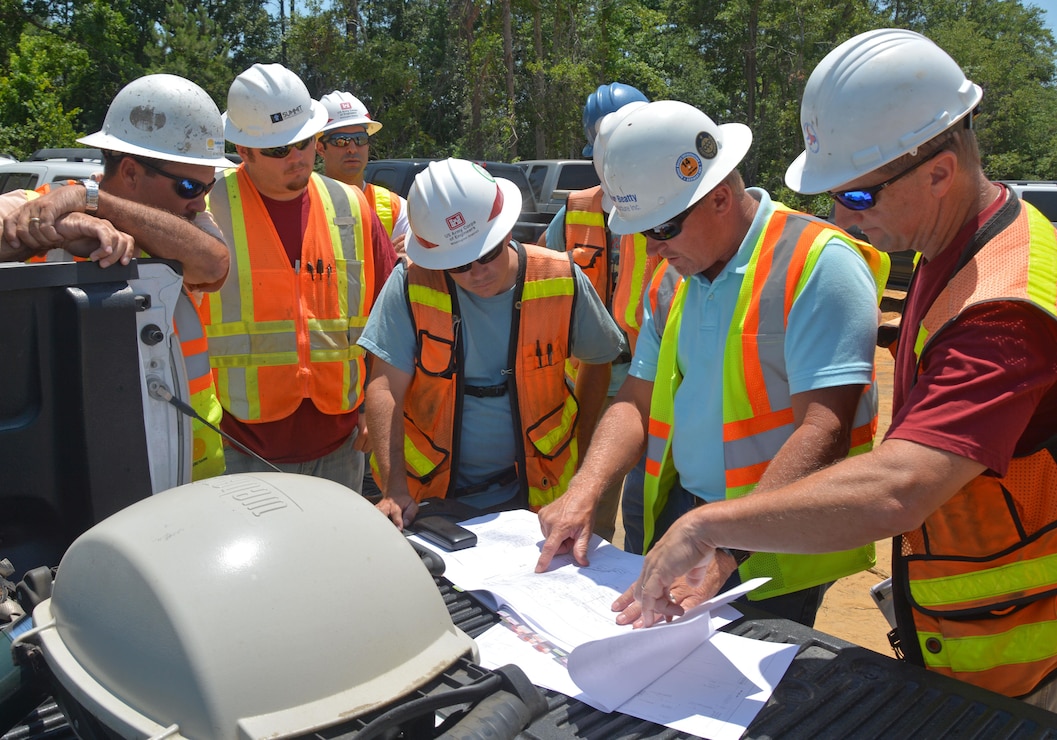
{"points": [[268, 105], [458, 212], [663, 157]]}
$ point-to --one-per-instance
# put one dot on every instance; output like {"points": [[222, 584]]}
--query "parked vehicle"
{"points": [[398, 174], [50, 166], [551, 180], [1041, 193]]}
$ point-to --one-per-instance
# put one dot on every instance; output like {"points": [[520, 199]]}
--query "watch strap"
{"points": [[91, 196]]}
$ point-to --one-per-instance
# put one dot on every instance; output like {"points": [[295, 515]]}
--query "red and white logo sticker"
{"points": [[455, 221], [344, 105]]}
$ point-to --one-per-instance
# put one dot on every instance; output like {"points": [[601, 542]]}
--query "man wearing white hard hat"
{"points": [[754, 365], [965, 480], [308, 258], [467, 398], [162, 141], [345, 147]]}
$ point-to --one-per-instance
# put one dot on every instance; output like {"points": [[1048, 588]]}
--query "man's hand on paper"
{"points": [[399, 508], [682, 551], [566, 524], [682, 593]]}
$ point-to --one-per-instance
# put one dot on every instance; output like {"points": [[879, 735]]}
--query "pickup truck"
{"points": [[398, 174], [551, 180]]}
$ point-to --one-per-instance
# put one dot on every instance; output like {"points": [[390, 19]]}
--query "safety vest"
{"points": [[385, 204], [979, 578], [207, 451], [585, 237], [278, 334], [207, 456], [757, 407], [542, 407]]}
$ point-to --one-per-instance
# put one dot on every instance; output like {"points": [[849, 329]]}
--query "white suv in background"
{"points": [[1041, 193], [50, 165]]}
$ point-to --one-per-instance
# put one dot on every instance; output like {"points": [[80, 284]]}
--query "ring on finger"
{"points": [[34, 220], [671, 597]]}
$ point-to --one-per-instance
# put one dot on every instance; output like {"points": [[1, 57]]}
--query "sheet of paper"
{"points": [[616, 668]]}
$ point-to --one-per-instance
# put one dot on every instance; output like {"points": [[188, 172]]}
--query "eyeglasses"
{"points": [[484, 259], [359, 138], [670, 228], [186, 187], [863, 199], [278, 152]]}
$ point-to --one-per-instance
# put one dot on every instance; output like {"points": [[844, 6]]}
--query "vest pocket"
{"points": [[436, 355], [422, 457], [551, 434]]}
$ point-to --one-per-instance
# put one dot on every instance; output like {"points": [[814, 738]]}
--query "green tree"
{"points": [[188, 44]]}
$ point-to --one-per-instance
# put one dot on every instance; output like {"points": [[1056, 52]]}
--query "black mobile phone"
{"points": [[443, 533]]}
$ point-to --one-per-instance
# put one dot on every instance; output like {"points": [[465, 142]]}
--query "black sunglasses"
{"points": [[484, 259], [186, 187], [670, 228], [278, 152], [863, 199], [359, 138]]}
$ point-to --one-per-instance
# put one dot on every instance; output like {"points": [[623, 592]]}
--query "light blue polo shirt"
{"points": [[830, 341]]}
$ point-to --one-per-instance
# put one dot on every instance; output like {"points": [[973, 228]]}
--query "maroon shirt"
{"points": [[987, 387], [308, 433]]}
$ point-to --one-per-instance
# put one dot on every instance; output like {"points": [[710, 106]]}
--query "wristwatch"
{"points": [[740, 556], [91, 196]]}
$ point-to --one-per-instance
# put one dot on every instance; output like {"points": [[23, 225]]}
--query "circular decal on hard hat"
{"points": [[706, 145], [810, 139], [689, 167]]}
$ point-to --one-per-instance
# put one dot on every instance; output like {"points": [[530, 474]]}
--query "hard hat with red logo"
{"points": [[874, 98], [663, 157], [345, 109], [457, 213]]}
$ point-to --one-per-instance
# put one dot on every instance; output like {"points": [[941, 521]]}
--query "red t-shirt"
{"points": [[987, 388], [307, 433]]}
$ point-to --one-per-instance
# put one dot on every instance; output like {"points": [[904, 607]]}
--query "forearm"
{"points": [[165, 235], [592, 387]]}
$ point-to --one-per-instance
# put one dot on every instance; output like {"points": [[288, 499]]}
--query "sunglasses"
{"points": [[186, 187], [669, 229], [484, 259], [359, 138], [863, 199], [278, 152]]}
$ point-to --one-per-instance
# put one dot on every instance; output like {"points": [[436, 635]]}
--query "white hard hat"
{"points": [[605, 127], [163, 117], [663, 157], [874, 98], [457, 213], [345, 109], [244, 606], [268, 105]]}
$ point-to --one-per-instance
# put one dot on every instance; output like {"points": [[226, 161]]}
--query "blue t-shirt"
{"points": [[487, 443], [830, 341]]}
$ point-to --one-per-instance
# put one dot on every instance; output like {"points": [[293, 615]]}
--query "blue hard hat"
{"points": [[603, 101]]}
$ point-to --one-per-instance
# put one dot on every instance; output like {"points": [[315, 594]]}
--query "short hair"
{"points": [[960, 139]]}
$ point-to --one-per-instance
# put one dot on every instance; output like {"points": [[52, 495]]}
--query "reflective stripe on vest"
{"points": [[547, 412], [207, 456], [384, 204], [980, 575], [586, 238], [636, 269], [276, 336], [757, 406]]}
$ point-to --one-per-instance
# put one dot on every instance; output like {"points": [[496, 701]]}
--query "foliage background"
{"points": [[507, 79]]}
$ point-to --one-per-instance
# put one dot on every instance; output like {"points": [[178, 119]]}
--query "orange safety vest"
{"points": [[279, 335], [543, 408], [385, 204], [757, 410], [978, 581], [587, 239]]}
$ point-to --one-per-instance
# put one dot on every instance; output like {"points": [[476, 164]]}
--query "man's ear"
{"points": [[129, 172], [721, 198], [942, 171]]}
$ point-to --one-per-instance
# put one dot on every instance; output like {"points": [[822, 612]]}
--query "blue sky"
{"points": [[1050, 7]]}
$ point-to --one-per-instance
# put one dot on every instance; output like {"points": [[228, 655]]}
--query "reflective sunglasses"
{"points": [[484, 259], [670, 228], [278, 152], [359, 138], [863, 199], [186, 187]]}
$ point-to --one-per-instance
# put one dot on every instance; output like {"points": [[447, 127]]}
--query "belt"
{"points": [[486, 391], [502, 478]]}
